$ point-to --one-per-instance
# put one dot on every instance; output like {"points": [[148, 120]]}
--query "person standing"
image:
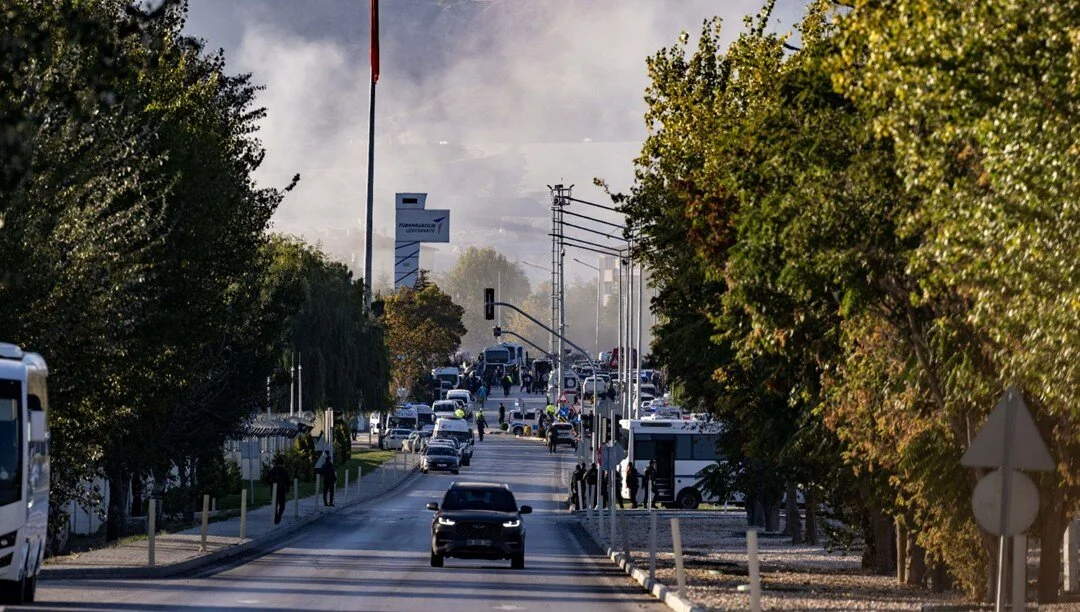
{"points": [[279, 475], [480, 425], [577, 482], [502, 413], [605, 484], [526, 382], [590, 485], [329, 474], [552, 439], [481, 394], [507, 382], [632, 482], [648, 482]]}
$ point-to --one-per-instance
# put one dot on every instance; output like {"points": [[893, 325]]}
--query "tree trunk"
{"points": [[1051, 531], [901, 554], [793, 526], [882, 546], [811, 517], [939, 579], [916, 573], [759, 515], [772, 517], [116, 520]]}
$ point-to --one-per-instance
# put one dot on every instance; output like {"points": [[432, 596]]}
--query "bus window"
{"points": [[10, 441], [643, 447], [684, 448], [705, 447]]}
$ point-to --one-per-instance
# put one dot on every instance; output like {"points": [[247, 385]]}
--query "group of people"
{"points": [[279, 475], [588, 479]]}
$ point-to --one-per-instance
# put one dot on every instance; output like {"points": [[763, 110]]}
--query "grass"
{"points": [[366, 459]]}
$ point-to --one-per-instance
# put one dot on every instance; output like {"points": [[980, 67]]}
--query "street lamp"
{"points": [[596, 349]]}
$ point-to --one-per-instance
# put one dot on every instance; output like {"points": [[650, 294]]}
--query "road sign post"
{"points": [[1008, 441]]}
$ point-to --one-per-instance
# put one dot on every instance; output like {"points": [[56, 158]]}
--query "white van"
{"points": [[445, 408], [459, 430], [465, 396]]}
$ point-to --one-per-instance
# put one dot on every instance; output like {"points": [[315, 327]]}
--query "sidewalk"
{"points": [[179, 552]]}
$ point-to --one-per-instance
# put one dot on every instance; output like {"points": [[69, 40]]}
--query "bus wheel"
{"points": [[689, 499]]}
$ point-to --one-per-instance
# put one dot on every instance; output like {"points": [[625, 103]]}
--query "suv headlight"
{"points": [[446, 521], [512, 523]]}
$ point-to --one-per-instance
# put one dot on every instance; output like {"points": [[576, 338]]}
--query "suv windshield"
{"points": [[496, 499]]}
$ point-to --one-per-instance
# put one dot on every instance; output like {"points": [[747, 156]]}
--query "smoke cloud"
{"points": [[481, 104]]}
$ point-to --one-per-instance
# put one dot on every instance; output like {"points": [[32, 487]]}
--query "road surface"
{"points": [[375, 557]]}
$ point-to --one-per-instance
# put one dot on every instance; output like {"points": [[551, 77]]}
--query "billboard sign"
{"points": [[419, 225]]}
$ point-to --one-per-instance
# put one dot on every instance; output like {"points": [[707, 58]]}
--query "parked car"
{"points": [[478, 521], [415, 442], [394, 438], [439, 457], [564, 435], [592, 385]]}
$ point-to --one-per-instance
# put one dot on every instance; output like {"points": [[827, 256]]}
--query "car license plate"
{"points": [[478, 542]]}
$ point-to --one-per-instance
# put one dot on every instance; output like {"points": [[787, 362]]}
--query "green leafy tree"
{"points": [[477, 269], [423, 327]]}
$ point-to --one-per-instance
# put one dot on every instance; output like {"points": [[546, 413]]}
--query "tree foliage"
{"points": [[475, 270], [423, 328], [134, 253], [864, 241]]}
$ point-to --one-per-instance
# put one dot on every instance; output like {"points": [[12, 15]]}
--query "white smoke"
{"points": [[479, 104]]}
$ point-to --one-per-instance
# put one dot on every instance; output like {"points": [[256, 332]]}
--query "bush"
{"points": [[504, 426], [217, 477]]}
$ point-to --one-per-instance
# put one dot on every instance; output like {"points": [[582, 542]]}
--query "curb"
{"points": [[248, 545], [668, 596]]}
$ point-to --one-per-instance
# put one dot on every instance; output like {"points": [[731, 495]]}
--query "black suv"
{"points": [[478, 521]]}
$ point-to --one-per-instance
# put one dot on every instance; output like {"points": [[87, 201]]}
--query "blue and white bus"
{"points": [[24, 471]]}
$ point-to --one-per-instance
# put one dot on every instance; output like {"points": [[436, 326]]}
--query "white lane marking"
{"points": [[248, 602]]}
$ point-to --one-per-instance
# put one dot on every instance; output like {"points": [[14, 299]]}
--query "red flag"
{"points": [[375, 41]]}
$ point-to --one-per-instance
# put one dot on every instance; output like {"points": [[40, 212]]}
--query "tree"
{"points": [[477, 269], [423, 327]]}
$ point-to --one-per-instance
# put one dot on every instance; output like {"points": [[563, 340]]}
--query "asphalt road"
{"points": [[375, 557]]}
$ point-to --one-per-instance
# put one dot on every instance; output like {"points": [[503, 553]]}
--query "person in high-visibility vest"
{"points": [[459, 413]]}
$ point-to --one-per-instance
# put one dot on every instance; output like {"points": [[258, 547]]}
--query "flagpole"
{"points": [[371, 154]]}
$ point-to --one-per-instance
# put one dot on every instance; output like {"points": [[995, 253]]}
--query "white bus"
{"points": [[680, 448], [24, 472]]}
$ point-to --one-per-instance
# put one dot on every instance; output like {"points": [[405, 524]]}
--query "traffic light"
{"points": [[496, 331], [489, 304]]}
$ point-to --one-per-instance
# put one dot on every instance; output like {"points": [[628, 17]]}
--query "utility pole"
{"points": [[559, 198]]}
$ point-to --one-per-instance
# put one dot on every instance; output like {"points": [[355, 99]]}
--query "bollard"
{"points": [[1019, 582], [273, 502], [296, 497], [346, 483], [243, 514], [359, 476], [382, 474], [580, 496], [611, 497], [205, 521], [676, 543], [213, 505], [652, 537], [318, 482], [600, 511], [625, 536], [1072, 556], [754, 570], [151, 525]]}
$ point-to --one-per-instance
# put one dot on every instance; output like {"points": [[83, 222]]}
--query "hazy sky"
{"points": [[480, 103]]}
